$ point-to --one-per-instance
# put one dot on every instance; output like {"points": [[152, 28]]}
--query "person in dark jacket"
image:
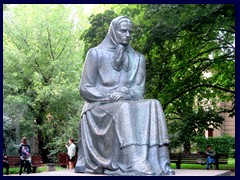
{"points": [[5, 163], [210, 157], [25, 156]]}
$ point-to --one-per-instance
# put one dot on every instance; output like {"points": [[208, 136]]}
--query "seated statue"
{"points": [[120, 132]]}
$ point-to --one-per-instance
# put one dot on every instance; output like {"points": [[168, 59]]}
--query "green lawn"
{"points": [[15, 170], [229, 166]]}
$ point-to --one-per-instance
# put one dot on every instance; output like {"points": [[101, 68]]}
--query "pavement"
{"points": [[179, 172]]}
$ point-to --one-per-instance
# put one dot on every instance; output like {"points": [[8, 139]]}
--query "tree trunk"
{"points": [[41, 144], [186, 147]]}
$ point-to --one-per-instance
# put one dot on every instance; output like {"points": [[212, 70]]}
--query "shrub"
{"points": [[231, 153], [223, 144]]}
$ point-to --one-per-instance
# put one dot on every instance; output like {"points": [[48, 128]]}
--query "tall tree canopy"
{"points": [[44, 52], [182, 43], [42, 66]]}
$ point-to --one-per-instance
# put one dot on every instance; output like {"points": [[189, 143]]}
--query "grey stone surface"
{"points": [[120, 133]]}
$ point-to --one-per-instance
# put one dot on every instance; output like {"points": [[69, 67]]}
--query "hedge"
{"points": [[224, 144]]}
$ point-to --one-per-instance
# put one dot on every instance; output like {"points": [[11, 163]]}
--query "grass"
{"points": [[229, 166], [15, 170]]}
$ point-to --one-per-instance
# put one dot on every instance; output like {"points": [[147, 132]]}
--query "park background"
{"points": [[190, 52]]}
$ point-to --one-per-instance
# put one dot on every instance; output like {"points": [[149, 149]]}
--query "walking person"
{"points": [[25, 156], [71, 153], [5, 163]]}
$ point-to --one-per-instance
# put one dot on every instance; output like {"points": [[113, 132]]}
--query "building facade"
{"points": [[228, 126]]}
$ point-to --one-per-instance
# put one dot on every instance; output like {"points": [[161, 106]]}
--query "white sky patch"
{"points": [[88, 8], [207, 74], [211, 56]]}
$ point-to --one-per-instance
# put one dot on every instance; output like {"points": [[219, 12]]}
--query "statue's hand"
{"points": [[120, 49], [118, 57], [117, 96], [123, 89]]}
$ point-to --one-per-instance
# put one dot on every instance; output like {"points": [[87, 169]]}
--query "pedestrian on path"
{"points": [[71, 153], [25, 156]]}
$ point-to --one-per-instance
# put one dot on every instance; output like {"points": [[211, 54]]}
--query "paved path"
{"points": [[179, 172], [67, 172]]}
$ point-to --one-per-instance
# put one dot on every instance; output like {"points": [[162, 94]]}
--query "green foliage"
{"points": [[42, 67], [9, 144], [180, 48], [60, 132], [231, 153], [7, 122], [182, 42], [185, 38], [219, 144], [229, 166], [185, 125], [15, 170], [98, 29]]}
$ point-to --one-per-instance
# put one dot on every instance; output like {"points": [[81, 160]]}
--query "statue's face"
{"points": [[123, 33]]}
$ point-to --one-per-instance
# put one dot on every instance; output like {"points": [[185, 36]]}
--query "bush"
{"points": [[223, 144], [15, 170], [231, 153]]}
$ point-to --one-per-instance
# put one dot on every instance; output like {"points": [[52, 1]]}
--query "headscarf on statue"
{"points": [[121, 53]]}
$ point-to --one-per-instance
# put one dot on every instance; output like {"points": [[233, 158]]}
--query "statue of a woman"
{"points": [[120, 132]]}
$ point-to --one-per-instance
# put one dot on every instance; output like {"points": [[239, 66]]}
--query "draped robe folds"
{"points": [[107, 127], [127, 136]]}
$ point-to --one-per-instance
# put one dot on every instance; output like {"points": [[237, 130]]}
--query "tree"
{"points": [[189, 44], [182, 42], [42, 66], [9, 142], [188, 124]]}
